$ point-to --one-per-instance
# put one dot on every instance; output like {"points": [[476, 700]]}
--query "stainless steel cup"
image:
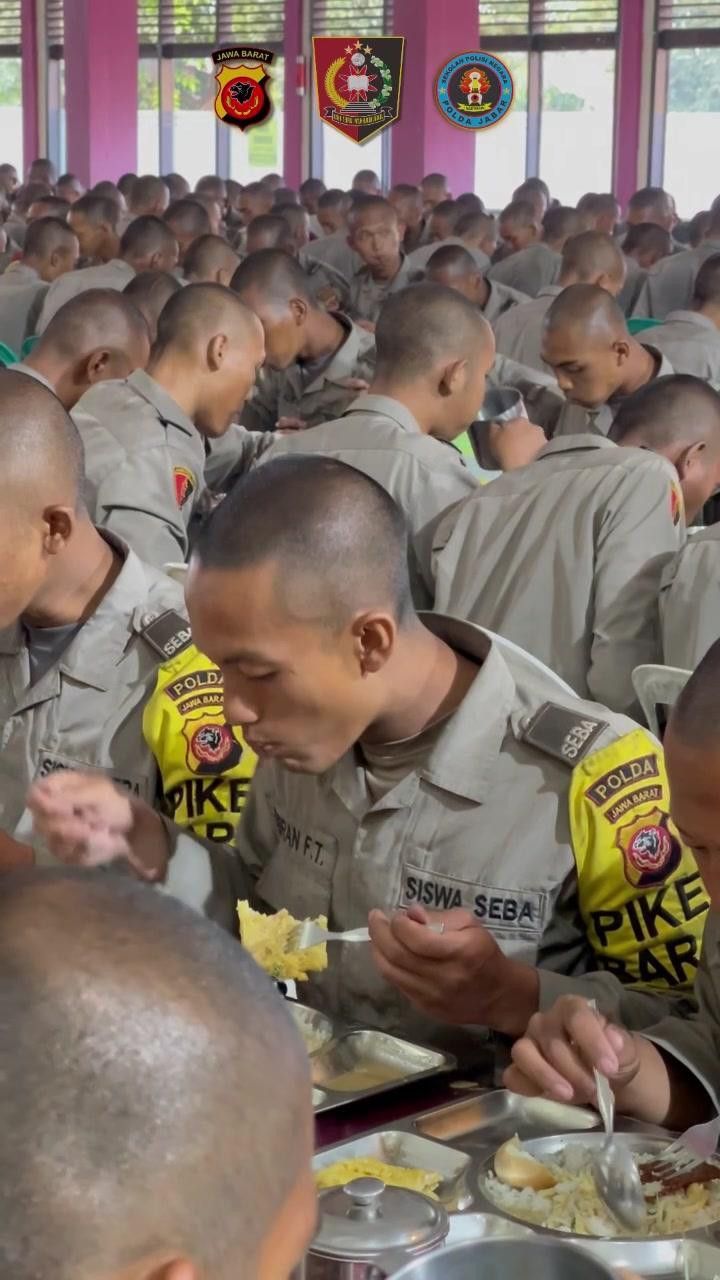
{"points": [[501, 404]]}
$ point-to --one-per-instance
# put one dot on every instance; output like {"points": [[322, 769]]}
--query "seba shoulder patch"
{"points": [[566, 734], [167, 633]]}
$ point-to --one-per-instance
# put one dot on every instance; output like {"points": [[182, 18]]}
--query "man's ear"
{"points": [[58, 524], [93, 368], [452, 378], [216, 351], [690, 458], [622, 350], [373, 640], [298, 309]]}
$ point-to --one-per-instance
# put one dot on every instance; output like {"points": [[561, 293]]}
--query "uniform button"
{"points": [[148, 618]]}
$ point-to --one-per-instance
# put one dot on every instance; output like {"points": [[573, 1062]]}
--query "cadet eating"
{"points": [[358, 803]]}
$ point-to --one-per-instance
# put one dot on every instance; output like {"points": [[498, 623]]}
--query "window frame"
{"points": [[666, 38]]}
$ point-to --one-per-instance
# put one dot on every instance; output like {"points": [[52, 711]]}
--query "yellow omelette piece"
{"points": [[344, 1171], [267, 939]]}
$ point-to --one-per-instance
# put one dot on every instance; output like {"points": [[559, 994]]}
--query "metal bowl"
{"points": [[507, 1260]]}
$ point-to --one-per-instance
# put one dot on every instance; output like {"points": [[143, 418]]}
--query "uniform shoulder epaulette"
{"points": [[167, 633], [563, 732]]}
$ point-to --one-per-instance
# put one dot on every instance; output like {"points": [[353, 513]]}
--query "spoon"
{"points": [[616, 1175]]}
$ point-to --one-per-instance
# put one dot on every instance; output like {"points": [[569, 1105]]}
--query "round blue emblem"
{"points": [[474, 90]]}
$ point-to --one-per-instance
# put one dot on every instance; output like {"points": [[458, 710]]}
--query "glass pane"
{"points": [[693, 119], [260, 150], [500, 151], [57, 136], [11, 112], [341, 157], [576, 133], [193, 118], [148, 156]]}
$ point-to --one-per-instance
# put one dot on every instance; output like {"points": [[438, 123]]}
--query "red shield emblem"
{"points": [[358, 81], [243, 97]]}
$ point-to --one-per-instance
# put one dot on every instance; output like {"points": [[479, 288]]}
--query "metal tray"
{"points": [[352, 1063], [406, 1150], [475, 1127]]}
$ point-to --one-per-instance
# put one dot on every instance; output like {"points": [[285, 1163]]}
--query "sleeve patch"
{"points": [[169, 634], [563, 733]]}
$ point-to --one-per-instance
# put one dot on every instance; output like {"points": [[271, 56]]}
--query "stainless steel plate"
{"points": [[498, 1115], [410, 1152], [465, 1227], [316, 1030], [360, 1064]]}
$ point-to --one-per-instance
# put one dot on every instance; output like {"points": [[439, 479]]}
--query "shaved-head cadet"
{"points": [[144, 437], [376, 235], [188, 220], [94, 337], [433, 349], [139, 1042], [535, 262], [315, 363], [459, 767], [588, 258], [454, 266], [691, 339], [565, 556], [51, 249], [149, 291], [669, 285], [210, 260], [147, 245]]}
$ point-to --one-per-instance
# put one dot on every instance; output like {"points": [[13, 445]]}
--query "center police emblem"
{"points": [[474, 90], [650, 849]]}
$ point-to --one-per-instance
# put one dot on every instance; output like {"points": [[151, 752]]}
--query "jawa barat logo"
{"points": [[243, 97]]}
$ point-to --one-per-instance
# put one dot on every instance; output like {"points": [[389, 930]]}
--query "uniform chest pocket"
{"points": [[300, 872], [49, 762], [507, 911]]}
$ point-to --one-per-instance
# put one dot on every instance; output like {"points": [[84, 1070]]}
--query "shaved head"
{"points": [[452, 260], [587, 346], [210, 258], [199, 312], [695, 719], [149, 291], [188, 219], [647, 242], [706, 291], [269, 231], [651, 204], [371, 209], [678, 409], [154, 1094], [422, 327], [587, 308], [559, 224], [593, 258], [148, 194], [274, 274], [95, 318], [40, 444]]}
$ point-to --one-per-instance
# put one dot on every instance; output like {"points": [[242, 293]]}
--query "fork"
{"points": [[308, 934], [693, 1147]]}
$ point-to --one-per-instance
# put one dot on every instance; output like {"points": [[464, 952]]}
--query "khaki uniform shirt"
{"points": [[311, 392], [367, 295], [529, 270], [518, 331], [501, 300], [512, 813], [420, 257], [336, 252], [323, 278], [669, 285], [564, 557], [22, 293], [690, 600], [86, 711], [634, 281], [110, 275], [425, 476], [691, 342], [144, 462], [21, 367]]}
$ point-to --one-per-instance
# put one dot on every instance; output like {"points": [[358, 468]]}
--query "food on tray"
{"points": [[393, 1175], [519, 1169], [269, 941], [360, 1078], [568, 1200]]}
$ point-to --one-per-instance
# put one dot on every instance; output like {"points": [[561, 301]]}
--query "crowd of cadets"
{"points": [[256, 391]]}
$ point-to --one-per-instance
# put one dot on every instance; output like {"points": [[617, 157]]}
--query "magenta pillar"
{"points": [[628, 94], [30, 79], [101, 67], [295, 90], [423, 141]]}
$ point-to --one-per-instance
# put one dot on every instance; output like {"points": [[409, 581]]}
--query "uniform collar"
{"points": [[462, 758], [694, 318], [161, 400], [406, 268], [94, 653], [385, 407], [550, 291], [20, 273], [22, 367], [664, 367], [342, 364], [580, 443]]}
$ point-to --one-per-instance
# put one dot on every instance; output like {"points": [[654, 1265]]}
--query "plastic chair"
{"points": [[7, 356], [176, 571], [28, 345], [636, 324], [658, 686]]}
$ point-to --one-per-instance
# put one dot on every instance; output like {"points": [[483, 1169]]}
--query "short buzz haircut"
{"points": [[55, 206], [332, 199], [97, 210], [277, 274], [454, 258], [146, 190], [39, 441], [275, 228], [424, 324], [468, 202], [475, 224], [695, 717], [648, 237], [520, 213], [535, 184], [92, 319], [45, 235], [338, 539], [666, 411], [592, 252], [312, 187], [189, 215], [561, 222], [378, 203], [207, 254], [136, 1049], [654, 198], [446, 209], [706, 289], [149, 291], [144, 235], [197, 311]]}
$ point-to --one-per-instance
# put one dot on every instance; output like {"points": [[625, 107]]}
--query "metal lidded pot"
{"points": [[508, 1260], [367, 1230]]}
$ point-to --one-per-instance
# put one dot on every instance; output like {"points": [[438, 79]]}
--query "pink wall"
{"points": [[295, 103], [423, 141], [31, 136], [627, 99], [101, 57]]}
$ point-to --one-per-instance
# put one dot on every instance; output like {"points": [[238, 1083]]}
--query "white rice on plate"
{"points": [[573, 1204]]}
